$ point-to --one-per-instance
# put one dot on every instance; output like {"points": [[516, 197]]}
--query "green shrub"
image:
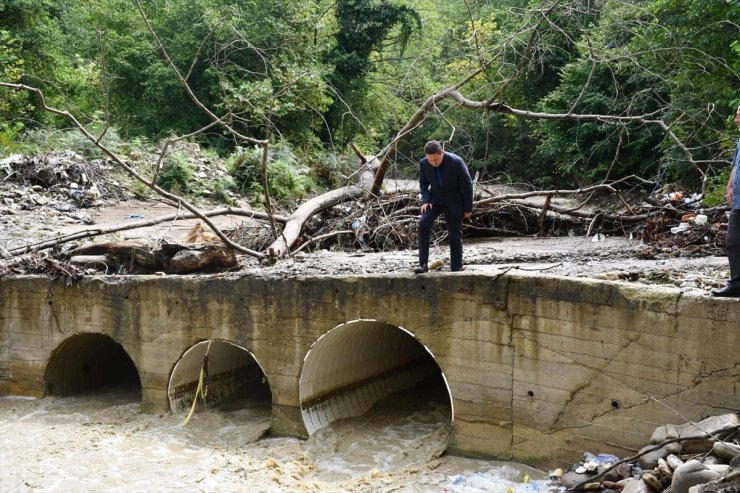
{"points": [[717, 189], [244, 166], [220, 191], [140, 191], [176, 173], [39, 140], [286, 177], [8, 137], [135, 145]]}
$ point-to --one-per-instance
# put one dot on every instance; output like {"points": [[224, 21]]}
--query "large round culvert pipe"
{"points": [[357, 364], [86, 362], [232, 372]]}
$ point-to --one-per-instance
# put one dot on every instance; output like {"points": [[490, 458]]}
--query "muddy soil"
{"points": [[615, 258], [49, 196]]}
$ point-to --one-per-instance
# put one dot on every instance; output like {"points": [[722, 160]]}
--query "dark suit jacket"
{"points": [[456, 191]]}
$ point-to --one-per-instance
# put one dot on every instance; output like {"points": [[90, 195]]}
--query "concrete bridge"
{"points": [[537, 369]]}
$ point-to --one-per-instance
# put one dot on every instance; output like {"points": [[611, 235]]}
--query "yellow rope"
{"points": [[195, 398], [201, 391]]}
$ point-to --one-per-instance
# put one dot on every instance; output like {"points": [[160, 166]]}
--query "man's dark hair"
{"points": [[433, 147]]}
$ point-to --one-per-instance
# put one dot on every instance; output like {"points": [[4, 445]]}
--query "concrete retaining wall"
{"points": [[539, 368]]}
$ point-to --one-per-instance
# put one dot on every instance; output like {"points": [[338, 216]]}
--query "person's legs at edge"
{"points": [[733, 247], [425, 228], [454, 233]]}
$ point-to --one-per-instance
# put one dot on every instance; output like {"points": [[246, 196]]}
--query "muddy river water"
{"points": [[102, 442]]}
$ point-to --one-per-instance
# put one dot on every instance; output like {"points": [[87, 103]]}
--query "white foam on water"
{"points": [[102, 442]]}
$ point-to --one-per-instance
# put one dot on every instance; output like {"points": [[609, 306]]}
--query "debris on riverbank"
{"points": [[63, 196], [702, 457]]}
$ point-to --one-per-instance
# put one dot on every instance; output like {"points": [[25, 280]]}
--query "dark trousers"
{"points": [[454, 231], [733, 247]]}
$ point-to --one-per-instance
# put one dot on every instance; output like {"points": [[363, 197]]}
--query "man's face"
{"points": [[737, 117], [436, 159]]}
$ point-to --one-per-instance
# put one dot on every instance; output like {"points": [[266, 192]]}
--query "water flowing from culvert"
{"points": [[102, 442]]}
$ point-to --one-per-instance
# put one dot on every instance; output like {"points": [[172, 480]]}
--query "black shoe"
{"points": [[731, 291], [421, 269], [457, 269]]}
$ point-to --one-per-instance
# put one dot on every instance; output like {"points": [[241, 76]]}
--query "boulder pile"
{"points": [[695, 457]]}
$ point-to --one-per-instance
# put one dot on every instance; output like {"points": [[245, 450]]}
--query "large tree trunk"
{"points": [[294, 223]]}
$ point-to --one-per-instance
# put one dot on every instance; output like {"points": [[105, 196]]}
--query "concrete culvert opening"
{"points": [[233, 383], [358, 366], [88, 362]]}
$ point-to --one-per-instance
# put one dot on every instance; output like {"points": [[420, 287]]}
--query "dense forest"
{"points": [[551, 93]]}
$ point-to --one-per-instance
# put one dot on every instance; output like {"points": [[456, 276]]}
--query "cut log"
{"points": [[197, 257], [97, 261]]}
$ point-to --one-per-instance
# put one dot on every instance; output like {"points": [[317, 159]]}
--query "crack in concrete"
{"points": [[599, 371]]}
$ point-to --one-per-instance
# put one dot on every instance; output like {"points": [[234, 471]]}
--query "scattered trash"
{"points": [[505, 478], [681, 227], [134, 216], [674, 196]]}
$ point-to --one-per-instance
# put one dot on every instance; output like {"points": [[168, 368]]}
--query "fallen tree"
{"points": [[374, 169]]}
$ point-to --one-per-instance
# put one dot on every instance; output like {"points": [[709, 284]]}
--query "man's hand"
{"points": [[467, 215], [732, 178], [424, 207]]}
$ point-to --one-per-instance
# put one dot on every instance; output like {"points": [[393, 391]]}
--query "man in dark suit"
{"points": [[446, 188], [732, 290]]}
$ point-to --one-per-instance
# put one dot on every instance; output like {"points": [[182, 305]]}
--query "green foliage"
{"points": [[717, 189], [287, 178], [9, 135], [362, 27], [245, 167], [667, 59], [39, 140], [176, 173], [318, 74], [221, 191], [11, 63], [141, 191]]}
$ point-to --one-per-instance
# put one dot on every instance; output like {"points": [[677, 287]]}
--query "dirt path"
{"points": [[615, 258], [135, 210]]}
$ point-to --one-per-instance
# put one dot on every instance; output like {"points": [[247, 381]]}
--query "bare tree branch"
{"points": [[92, 232], [170, 196], [185, 84]]}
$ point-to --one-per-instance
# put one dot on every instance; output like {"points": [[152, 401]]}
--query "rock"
{"points": [[92, 194], [673, 448], [665, 470], [612, 475], [689, 474], [674, 461], [726, 450], [572, 478], [39, 200], [712, 460], [652, 481], [633, 485], [720, 469], [710, 427], [556, 474], [650, 460]]}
